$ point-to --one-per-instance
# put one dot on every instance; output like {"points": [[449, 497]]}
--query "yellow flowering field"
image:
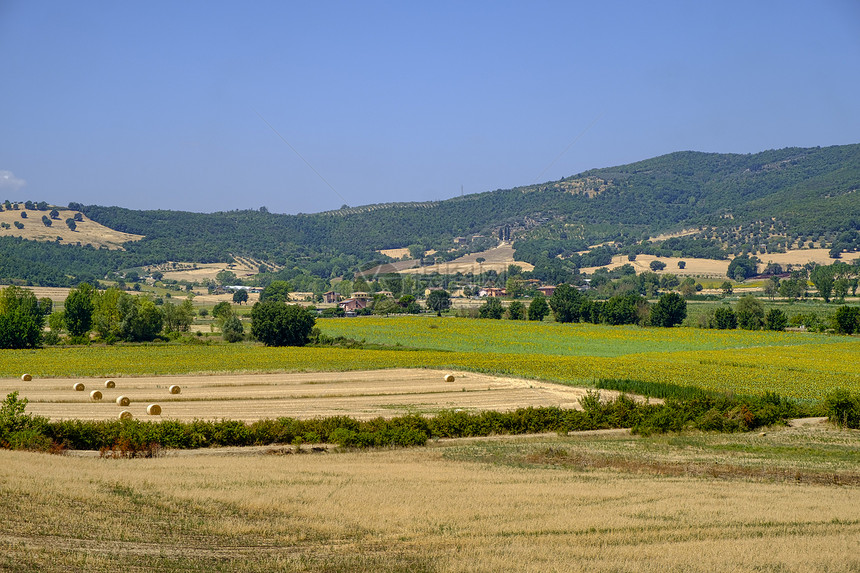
{"points": [[803, 366]]}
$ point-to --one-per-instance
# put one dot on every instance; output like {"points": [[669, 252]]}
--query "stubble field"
{"points": [[699, 503], [250, 397]]}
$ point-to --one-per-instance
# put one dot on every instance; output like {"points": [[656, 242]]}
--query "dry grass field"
{"points": [[605, 502], [496, 259], [250, 397], [87, 232], [709, 268]]}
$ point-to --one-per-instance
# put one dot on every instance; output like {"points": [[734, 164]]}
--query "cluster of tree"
{"points": [[22, 318], [748, 314]]}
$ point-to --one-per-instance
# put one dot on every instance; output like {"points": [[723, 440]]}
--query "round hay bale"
{"points": [[125, 415], [26, 377], [122, 401], [110, 384], [153, 410], [79, 387], [449, 377], [95, 395], [175, 389]]}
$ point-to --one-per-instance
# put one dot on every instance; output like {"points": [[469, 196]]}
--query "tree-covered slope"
{"points": [[783, 196]]}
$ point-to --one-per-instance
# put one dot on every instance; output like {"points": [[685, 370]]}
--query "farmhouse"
{"points": [[546, 290], [358, 301], [331, 297]]}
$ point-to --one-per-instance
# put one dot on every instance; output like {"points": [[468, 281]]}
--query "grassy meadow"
{"points": [[595, 502], [802, 366]]}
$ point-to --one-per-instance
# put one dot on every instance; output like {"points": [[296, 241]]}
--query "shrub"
{"points": [[843, 408]]}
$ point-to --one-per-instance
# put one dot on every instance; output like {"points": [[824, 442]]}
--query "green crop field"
{"points": [[801, 366]]}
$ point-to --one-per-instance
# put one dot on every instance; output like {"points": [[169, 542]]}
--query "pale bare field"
{"points": [[527, 504], [709, 268], [497, 259], [208, 271], [87, 232], [56, 294], [250, 397]]}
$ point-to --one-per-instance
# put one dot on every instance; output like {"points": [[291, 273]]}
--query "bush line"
{"points": [[704, 411]]}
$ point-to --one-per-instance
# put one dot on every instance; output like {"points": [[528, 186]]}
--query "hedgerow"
{"points": [[706, 412]]}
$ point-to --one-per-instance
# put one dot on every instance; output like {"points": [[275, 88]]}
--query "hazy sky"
{"points": [[165, 105]]}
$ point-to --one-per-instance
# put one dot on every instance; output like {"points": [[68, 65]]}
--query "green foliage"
{"points": [[222, 310], [240, 296], [21, 318], [492, 308], [823, 278], [670, 310], [750, 313], [20, 431], [843, 408], [517, 311], [538, 308], [565, 303], [275, 323], [178, 318], [846, 319], [277, 291], [657, 265], [742, 267], [438, 300], [775, 320], [725, 319], [78, 309]]}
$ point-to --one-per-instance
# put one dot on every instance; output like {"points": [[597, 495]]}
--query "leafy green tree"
{"points": [[846, 319], [517, 311], [275, 323], [54, 214], [70, 223], [823, 279], [742, 267], [538, 309], [794, 287], [492, 308], [670, 310], [515, 286], [726, 287], [416, 251], [775, 320], [438, 300], [657, 265], [276, 290], [565, 303], [222, 310], [627, 308], [140, 319], [750, 313], [79, 307], [46, 221], [240, 296], [225, 277], [21, 319], [771, 286], [725, 318], [232, 330], [178, 318]]}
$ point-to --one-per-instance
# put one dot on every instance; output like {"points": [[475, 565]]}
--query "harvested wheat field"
{"points": [[579, 503], [250, 397]]}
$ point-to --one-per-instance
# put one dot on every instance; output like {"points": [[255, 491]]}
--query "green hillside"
{"points": [[738, 203]]}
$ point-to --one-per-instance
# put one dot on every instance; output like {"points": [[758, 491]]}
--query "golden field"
{"points": [[581, 503]]}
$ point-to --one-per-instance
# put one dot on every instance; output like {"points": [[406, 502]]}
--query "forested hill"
{"points": [[792, 194]]}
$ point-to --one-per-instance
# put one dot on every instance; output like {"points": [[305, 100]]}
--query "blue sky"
{"points": [[167, 105]]}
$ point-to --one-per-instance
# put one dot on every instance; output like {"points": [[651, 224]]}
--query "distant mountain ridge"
{"points": [[742, 203]]}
